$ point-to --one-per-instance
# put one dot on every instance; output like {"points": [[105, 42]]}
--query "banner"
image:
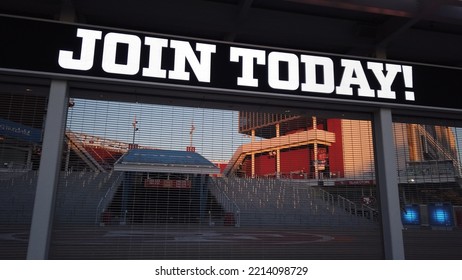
{"points": [[167, 184], [20, 131], [89, 51]]}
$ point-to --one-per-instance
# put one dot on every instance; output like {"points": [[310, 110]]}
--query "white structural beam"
{"points": [[48, 175]]}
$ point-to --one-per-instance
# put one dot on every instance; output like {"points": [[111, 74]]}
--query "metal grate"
{"points": [[22, 113], [429, 169], [297, 183]]}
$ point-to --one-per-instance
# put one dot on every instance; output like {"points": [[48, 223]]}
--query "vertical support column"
{"points": [[416, 147], [278, 151], [387, 182], [315, 148], [48, 175], [252, 156], [278, 163]]}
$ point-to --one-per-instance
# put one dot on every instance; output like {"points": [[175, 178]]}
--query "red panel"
{"points": [[222, 167], [265, 165], [336, 150], [295, 161], [247, 167]]}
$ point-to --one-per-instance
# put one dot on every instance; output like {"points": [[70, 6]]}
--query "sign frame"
{"points": [[356, 81]]}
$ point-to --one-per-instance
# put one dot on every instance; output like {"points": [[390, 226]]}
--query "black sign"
{"points": [[70, 49]]}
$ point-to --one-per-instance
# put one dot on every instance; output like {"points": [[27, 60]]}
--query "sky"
{"points": [[215, 133]]}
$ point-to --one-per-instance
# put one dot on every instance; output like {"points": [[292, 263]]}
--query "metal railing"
{"points": [[104, 200], [347, 205], [351, 207], [327, 197], [228, 204]]}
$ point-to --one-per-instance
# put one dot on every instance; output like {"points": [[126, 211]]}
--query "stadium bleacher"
{"points": [[273, 202]]}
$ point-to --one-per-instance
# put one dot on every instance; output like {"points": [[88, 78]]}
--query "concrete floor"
{"points": [[167, 241]]}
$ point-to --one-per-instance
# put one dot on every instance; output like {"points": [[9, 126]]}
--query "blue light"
{"points": [[440, 216], [411, 215]]}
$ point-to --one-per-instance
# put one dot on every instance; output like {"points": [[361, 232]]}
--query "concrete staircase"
{"points": [[288, 203]]}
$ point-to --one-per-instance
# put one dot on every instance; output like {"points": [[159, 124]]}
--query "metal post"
{"points": [[68, 155], [278, 152], [315, 148], [387, 182], [253, 154], [135, 129], [48, 174]]}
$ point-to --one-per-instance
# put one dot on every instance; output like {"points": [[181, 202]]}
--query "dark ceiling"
{"points": [[410, 30]]}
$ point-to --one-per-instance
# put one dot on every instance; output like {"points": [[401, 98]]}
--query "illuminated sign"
{"points": [[276, 62], [50, 48]]}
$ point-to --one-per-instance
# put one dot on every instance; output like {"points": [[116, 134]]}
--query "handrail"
{"points": [[100, 208], [227, 203], [352, 208], [347, 205], [76, 145], [327, 197], [370, 210]]}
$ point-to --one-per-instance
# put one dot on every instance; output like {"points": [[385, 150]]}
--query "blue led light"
{"points": [[411, 215], [440, 214]]}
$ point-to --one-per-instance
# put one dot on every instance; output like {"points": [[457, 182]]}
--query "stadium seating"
{"points": [[77, 197], [17, 193], [273, 202]]}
